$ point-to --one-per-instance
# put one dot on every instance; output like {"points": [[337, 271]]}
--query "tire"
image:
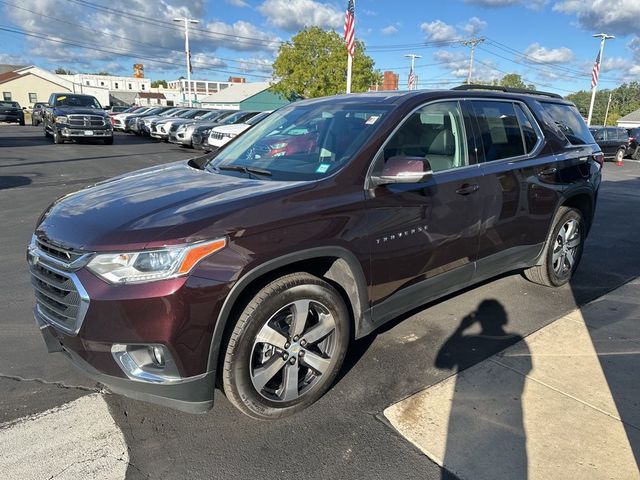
{"points": [[108, 141], [34, 123], [57, 137], [636, 154], [619, 155], [555, 272], [46, 134], [22, 122], [265, 396]]}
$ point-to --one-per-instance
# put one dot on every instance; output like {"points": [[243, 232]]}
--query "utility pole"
{"points": [[473, 43], [594, 84], [187, 21], [606, 113], [413, 56]]}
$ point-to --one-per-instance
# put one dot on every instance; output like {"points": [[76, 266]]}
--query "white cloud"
{"points": [[458, 65], [237, 3], [612, 16], [11, 59], [439, 31], [161, 43], [389, 30], [294, 15], [536, 53]]}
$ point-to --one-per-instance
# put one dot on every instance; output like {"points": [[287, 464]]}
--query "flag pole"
{"points": [[349, 56], [603, 37]]}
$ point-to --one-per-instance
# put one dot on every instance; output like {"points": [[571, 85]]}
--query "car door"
{"points": [[424, 236], [517, 191]]}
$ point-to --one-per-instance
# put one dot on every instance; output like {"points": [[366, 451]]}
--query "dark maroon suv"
{"points": [[253, 270]]}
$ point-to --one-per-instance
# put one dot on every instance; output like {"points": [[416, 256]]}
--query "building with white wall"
{"points": [[112, 83], [200, 88]]}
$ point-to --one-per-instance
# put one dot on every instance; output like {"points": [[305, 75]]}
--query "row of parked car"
{"points": [[617, 142], [203, 129]]}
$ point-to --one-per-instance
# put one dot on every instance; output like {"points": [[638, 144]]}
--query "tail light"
{"points": [[599, 157]]}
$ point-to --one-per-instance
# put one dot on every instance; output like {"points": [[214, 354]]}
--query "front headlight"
{"points": [[229, 135], [152, 265], [61, 119]]}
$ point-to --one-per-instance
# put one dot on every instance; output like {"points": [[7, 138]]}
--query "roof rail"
{"points": [[506, 90]]}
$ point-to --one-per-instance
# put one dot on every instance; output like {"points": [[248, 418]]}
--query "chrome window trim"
{"points": [[527, 111], [368, 184]]}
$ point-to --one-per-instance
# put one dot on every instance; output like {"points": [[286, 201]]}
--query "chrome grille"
{"points": [[86, 121], [61, 299], [216, 135]]}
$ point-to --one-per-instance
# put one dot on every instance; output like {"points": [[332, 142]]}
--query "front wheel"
{"points": [[563, 250], [286, 348], [57, 137]]}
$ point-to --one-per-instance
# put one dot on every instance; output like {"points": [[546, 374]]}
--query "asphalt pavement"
{"points": [[344, 435]]}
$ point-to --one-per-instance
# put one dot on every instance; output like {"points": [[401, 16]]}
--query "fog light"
{"points": [[157, 355]]}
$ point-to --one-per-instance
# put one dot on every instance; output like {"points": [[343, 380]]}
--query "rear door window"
{"points": [[569, 122], [499, 130]]}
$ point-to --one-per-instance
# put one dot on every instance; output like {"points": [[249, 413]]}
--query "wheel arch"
{"points": [[337, 265], [584, 202]]}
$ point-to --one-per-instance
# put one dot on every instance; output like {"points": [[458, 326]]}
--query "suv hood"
{"points": [[156, 206], [80, 111]]}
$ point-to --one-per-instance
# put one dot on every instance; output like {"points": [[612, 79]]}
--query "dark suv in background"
{"points": [[633, 148], [614, 141], [255, 268], [11, 112]]}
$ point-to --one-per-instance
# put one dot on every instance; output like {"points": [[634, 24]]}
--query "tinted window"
{"points": [[569, 121], [599, 134], [528, 132], [499, 130], [435, 133]]}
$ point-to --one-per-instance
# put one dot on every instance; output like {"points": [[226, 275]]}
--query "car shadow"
{"points": [[13, 181]]}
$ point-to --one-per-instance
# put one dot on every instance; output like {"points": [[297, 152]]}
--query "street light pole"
{"points": [[187, 21], [606, 113], [413, 57], [473, 43], [603, 37]]}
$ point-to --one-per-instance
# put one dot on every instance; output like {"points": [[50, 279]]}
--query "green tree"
{"points": [[513, 80], [314, 64], [624, 100], [62, 71], [159, 83]]}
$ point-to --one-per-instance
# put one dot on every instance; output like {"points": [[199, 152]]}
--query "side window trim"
{"points": [[534, 123], [379, 156]]}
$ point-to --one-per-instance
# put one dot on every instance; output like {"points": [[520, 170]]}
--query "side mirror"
{"points": [[401, 169]]}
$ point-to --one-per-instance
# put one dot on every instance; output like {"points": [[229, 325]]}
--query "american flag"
{"points": [[596, 72], [412, 79], [350, 27]]}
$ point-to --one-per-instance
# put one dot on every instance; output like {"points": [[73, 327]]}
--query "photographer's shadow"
{"points": [[485, 431]]}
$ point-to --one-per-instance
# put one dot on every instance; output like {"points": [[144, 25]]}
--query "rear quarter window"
{"points": [[569, 122]]}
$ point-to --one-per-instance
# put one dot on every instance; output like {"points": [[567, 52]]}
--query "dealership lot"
{"points": [[344, 435]]}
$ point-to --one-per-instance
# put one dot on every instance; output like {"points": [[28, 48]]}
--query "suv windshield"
{"points": [[77, 101], [301, 142]]}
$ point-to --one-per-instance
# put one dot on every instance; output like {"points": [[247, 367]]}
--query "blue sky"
{"points": [[548, 42]]}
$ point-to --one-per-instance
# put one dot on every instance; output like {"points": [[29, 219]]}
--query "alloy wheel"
{"points": [[293, 350], [565, 248]]}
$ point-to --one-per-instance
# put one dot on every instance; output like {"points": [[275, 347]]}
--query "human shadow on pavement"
{"points": [[486, 413]]}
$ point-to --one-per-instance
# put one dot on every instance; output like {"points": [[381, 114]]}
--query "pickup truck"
{"points": [[71, 116]]}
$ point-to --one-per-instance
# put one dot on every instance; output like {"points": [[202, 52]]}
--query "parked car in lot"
{"points": [[633, 148], [145, 121], [71, 116], [257, 270], [11, 112], [115, 109], [120, 119], [36, 113], [614, 141], [221, 135], [131, 123], [200, 136], [181, 135], [161, 128]]}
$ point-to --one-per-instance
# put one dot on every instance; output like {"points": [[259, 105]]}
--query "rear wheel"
{"points": [[286, 347], [22, 122], [563, 250], [620, 155]]}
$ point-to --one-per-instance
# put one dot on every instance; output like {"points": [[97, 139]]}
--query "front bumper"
{"points": [[191, 395], [69, 132], [181, 137]]}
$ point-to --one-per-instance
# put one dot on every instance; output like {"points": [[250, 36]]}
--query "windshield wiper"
{"points": [[245, 169]]}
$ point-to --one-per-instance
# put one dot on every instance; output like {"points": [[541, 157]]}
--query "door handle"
{"points": [[547, 172], [467, 189]]}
